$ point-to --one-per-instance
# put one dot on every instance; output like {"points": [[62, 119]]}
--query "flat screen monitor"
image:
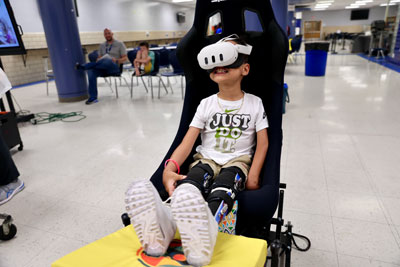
{"points": [[361, 14], [10, 38]]}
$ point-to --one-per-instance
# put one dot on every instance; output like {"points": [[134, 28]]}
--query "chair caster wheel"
{"points": [[125, 219], [8, 232]]}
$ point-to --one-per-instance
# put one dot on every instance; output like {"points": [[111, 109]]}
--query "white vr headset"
{"points": [[223, 54]]}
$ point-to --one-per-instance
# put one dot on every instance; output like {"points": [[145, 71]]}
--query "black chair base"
{"points": [[7, 229]]}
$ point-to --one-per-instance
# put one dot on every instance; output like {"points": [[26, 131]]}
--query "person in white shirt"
{"points": [[234, 142]]}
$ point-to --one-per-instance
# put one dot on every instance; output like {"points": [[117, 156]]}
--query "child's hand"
{"points": [[252, 183], [169, 179]]}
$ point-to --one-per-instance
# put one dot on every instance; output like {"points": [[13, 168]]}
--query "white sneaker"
{"points": [[196, 224], [151, 219]]}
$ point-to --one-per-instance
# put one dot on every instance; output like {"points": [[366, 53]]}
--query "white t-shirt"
{"points": [[228, 128]]}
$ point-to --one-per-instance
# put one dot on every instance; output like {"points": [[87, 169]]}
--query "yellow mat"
{"points": [[122, 249]]}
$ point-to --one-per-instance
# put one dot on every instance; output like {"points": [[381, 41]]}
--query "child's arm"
{"points": [[143, 60], [253, 178], [180, 154]]}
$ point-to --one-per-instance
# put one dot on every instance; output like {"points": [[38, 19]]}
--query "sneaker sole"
{"points": [[190, 214], [16, 191], [141, 208], [92, 102]]}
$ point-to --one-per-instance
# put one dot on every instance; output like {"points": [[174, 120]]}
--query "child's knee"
{"points": [[201, 176], [226, 187]]}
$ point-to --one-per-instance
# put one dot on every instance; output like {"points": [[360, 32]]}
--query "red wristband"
{"points": [[173, 161]]}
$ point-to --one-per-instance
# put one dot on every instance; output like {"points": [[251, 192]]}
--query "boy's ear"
{"points": [[245, 69]]}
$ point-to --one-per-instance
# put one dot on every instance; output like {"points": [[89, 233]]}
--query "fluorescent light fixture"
{"points": [[325, 2], [322, 5], [350, 7], [180, 1], [391, 4], [152, 4], [394, 1]]}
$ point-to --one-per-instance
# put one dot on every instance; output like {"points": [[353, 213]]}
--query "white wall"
{"points": [[342, 17], [119, 15]]}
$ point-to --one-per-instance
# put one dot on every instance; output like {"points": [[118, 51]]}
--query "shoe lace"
{"points": [[167, 202]]}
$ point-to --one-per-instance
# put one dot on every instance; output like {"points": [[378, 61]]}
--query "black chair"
{"points": [[93, 57], [164, 58], [177, 70], [296, 45], [131, 57], [267, 66]]}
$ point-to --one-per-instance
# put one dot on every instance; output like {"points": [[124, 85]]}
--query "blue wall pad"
{"points": [[31, 83], [382, 62]]}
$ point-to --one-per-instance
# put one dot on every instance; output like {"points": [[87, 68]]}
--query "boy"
{"points": [[228, 123], [144, 61]]}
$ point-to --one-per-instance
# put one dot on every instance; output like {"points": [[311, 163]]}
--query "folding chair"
{"points": [[177, 71], [48, 73], [153, 73], [93, 57]]}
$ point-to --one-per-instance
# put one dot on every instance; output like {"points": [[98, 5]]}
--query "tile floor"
{"points": [[340, 160]]}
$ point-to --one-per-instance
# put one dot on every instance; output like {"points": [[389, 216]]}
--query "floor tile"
{"points": [[314, 257], [355, 181], [317, 228], [60, 248], [26, 245], [366, 239], [356, 206], [308, 201], [392, 207], [351, 261]]}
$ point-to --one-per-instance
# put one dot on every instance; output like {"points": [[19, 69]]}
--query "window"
{"points": [[252, 21], [214, 24]]}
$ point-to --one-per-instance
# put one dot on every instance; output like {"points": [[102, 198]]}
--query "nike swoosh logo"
{"points": [[230, 110]]}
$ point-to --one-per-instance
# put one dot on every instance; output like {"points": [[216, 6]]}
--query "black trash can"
{"points": [[316, 57]]}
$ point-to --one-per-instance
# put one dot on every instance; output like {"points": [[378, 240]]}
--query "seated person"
{"points": [[10, 184], [112, 53], [144, 61], [230, 123]]}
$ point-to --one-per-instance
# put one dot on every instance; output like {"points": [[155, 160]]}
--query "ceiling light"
{"points": [[179, 1], [391, 4], [348, 7]]}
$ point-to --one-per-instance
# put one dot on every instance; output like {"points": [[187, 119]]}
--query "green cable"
{"points": [[46, 117]]}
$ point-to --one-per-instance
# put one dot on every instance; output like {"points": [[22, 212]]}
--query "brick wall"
{"points": [[36, 46]]}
